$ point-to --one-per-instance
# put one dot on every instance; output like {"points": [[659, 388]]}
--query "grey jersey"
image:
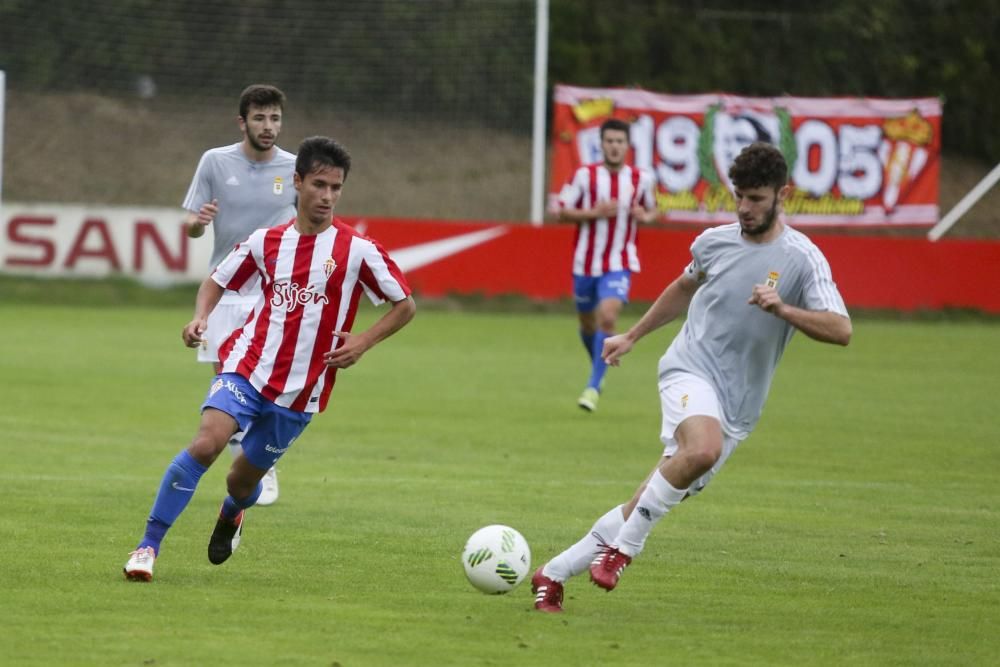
{"points": [[251, 194], [731, 344]]}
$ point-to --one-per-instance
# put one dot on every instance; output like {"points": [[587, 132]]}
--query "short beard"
{"points": [[766, 224], [257, 147]]}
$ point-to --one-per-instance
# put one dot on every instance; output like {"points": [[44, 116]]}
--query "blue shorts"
{"points": [[270, 429], [588, 291]]}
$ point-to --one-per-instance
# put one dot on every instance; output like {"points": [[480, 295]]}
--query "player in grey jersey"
{"points": [[749, 286], [238, 189]]}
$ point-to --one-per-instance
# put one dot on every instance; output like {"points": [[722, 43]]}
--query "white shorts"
{"points": [[684, 395], [229, 315]]}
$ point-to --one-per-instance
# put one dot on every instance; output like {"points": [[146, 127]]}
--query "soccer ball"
{"points": [[496, 559]]}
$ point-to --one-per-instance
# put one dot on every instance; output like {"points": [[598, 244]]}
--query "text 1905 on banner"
{"points": [[852, 161]]}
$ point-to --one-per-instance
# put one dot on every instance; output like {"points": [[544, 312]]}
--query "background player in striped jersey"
{"points": [[748, 287], [237, 189], [607, 201], [280, 367]]}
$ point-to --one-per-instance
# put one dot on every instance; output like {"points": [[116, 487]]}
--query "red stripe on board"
{"points": [[903, 274]]}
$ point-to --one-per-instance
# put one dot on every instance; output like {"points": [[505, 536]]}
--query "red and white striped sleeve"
{"points": [[239, 270], [381, 277], [573, 194]]}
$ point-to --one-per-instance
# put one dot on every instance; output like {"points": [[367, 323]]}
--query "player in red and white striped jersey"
{"points": [[280, 366], [313, 284], [607, 201]]}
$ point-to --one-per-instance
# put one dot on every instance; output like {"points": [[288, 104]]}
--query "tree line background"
{"points": [[113, 101], [884, 48], [889, 48]]}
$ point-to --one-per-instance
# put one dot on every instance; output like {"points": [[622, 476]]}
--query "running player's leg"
{"points": [[693, 445], [612, 295], [226, 317], [585, 299], [266, 440], [177, 487], [229, 315]]}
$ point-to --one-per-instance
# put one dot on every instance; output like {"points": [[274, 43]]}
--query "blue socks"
{"points": [[231, 506], [588, 343], [176, 489], [598, 367]]}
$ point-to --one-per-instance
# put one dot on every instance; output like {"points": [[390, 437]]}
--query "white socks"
{"points": [[577, 558], [657, 499]]}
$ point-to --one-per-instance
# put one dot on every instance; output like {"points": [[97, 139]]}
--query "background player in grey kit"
{"points": [[238, 189], [749, 286]]}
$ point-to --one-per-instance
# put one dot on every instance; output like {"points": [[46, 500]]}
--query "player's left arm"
{"points": [[644, 210], [644, 215], [823, 325], [355, 345]]}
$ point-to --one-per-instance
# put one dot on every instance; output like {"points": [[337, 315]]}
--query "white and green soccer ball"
{"points": [[496, 559]]}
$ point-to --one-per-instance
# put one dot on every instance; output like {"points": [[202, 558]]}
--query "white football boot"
{"points": [[269, 493], [140, 565]]}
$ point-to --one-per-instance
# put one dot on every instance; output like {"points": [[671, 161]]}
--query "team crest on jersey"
{"points": [[279, 185], [329, 266], [216, 386], [772, 279]]}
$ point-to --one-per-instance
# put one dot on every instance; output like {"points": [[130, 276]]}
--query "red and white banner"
{"points": [[852, 161], [442, 258]]}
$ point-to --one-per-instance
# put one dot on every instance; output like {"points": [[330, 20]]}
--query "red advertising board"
{"points": [[853, 161], [872, 272], [442, 258]]}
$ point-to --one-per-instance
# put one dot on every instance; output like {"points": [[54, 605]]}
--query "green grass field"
{"points": [[858, 525]]}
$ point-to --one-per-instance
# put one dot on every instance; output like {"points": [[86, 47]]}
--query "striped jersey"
{"points": [[731, 344], [607, 244], [251, 194], [311, 286]]}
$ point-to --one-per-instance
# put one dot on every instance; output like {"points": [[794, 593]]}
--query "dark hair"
{"points": [[260, 95], [317, 152], [614, 124], [759, 165]]}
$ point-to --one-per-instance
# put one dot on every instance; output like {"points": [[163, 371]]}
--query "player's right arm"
{"points": [[195, 223], [673, 301], [208, 296], [200, 202], [602, 209]]}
